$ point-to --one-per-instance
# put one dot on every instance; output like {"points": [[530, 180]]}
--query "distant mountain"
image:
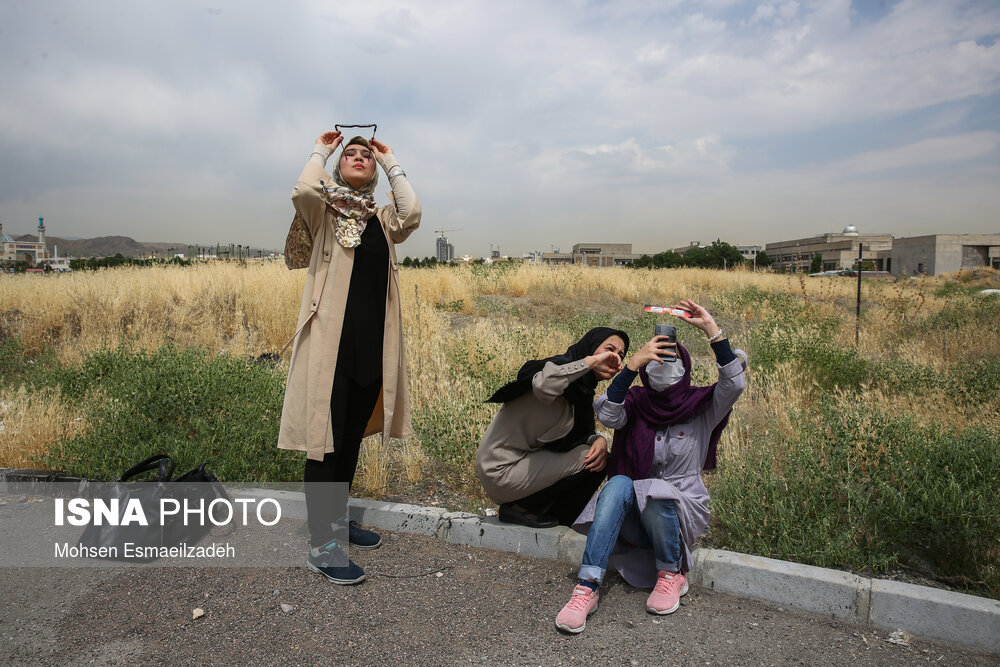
{"points": [[103, 246], [109, 246]]}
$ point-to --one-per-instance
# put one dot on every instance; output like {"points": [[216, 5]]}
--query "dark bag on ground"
{"points": [[194, 485]]}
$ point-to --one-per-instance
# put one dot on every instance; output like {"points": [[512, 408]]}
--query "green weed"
{"points": [[184, 403], [861, 489]]}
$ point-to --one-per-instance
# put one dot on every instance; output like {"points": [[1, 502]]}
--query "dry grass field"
{"points": [[484, 321], [926, 363]]}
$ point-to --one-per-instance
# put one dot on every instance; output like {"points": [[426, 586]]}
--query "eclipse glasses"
{"points": [[371, 125]]}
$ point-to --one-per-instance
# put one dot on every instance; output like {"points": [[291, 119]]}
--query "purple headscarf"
{"points": [[650, 411]]}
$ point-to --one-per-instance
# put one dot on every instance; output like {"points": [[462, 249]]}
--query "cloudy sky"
{"points": [[525, 124]]}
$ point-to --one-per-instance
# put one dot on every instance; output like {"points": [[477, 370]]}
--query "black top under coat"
{"points": [[361, 337]]}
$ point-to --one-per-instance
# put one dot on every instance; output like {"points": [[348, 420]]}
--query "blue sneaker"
{"points": [[363, 539], [319, 561]]}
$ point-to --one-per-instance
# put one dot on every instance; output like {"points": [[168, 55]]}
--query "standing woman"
{"points": [[541, 458], [347, 377]]}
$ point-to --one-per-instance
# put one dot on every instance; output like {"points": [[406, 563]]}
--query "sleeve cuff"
{"points": [[321, 153], [572, 370], [576, 369], [723, 353], [388, 162], [732, 369], [619, 386]]}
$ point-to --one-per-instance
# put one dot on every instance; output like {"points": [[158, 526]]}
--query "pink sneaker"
{"points": [[666, 596], [573, 617]]}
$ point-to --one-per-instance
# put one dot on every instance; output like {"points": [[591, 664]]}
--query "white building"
{"points": [[936, 254], [31, 252], [838, 251]]}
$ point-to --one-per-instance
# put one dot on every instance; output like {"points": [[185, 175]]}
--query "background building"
{"points": [[839, 251], [556, 257], [594, 254], [445, 251], [944, 253]]}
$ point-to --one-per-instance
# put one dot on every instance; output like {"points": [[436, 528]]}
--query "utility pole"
{"points": [[857, 324]]}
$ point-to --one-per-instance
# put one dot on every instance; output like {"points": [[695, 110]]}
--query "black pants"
{"points": [[565, 499], [351, 406]]}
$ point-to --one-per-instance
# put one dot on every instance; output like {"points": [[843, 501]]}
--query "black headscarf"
{"points": [[579, 393]]}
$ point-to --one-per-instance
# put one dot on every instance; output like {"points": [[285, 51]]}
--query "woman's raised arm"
{"points": [[403, 214]]}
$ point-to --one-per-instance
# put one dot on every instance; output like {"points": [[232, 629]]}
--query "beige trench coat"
{"points": [[512, 461], [305, 418]]}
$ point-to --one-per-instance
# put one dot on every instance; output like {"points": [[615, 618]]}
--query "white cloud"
{"points": [[763, 12], [941, 150], [777, 12], [629, 164], [551, 101]]}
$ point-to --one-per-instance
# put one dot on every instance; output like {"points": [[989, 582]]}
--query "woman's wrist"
{"points": [[619, 386], [323, 149], [636, 362], [723, 353], [320, 154], [388, 162]]}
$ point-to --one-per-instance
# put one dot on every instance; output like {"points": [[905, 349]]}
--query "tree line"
{"points": [[417, 263], [718, 255], [94, 263]]}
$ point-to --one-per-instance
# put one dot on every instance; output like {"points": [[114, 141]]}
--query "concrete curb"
{"points": [[830, 593], [965, 620], [960, 619]]}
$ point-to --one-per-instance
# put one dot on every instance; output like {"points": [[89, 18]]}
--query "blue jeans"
{"points": [[617, 516]]}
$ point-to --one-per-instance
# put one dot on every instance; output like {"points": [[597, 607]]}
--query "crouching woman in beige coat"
{"points": [[347, 377], [541, 458]]}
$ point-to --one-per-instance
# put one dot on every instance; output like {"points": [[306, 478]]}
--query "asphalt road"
{"points": [[425, 603]]}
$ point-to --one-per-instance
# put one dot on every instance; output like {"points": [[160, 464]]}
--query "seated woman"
{"points": [[655, 505], [541, 458]]}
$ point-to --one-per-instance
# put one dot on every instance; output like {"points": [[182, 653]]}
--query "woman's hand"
{"points": [[700, 317], [597, 456], [655, 349], [331, 139], [604, 364], [380, 150]]}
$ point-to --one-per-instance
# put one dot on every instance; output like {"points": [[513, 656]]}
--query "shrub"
{"points": [[17, 368], [859, 488], [184, 403]]}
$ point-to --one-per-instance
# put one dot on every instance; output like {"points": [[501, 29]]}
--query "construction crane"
{"points": [[442, 232]]}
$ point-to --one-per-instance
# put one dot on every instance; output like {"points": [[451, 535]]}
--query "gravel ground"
{"points": [[425, 603]]}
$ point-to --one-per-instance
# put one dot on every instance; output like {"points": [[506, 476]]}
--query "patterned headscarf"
{"points": [[354, 206]]}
